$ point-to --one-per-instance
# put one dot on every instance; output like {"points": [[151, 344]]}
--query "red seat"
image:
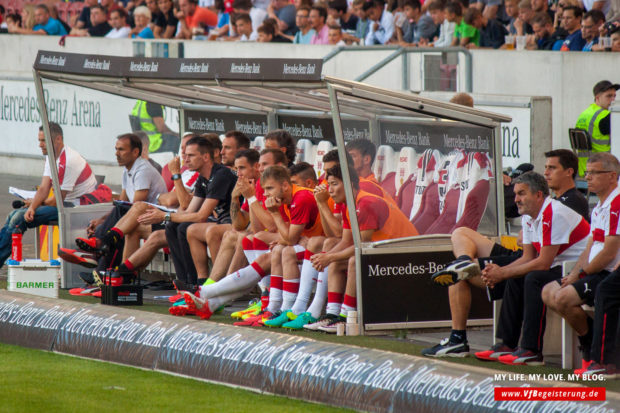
{"points": [[475, 204], [429, 210], [165, 173], [404, 199], [450, 177], [389, 185], [427, 163], [63, 10], [445, 221], [476, 191]]}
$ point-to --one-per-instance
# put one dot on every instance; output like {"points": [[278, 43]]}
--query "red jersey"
{"points": [[304, 211]]}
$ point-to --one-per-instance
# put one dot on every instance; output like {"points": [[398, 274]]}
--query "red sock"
{"points": [[129, 265]]}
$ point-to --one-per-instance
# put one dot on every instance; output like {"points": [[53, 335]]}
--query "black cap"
{"points": [[604, 85], [521, 169]]}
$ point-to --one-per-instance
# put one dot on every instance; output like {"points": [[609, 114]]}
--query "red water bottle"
{"points": [[16, 241]]}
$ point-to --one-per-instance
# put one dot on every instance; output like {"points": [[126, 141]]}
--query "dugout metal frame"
{"points": [[266, 86]]}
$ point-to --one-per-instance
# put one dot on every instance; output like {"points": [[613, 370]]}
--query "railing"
{"points": [[455, 73]]}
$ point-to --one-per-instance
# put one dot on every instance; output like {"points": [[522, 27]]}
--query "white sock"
{"points": [[241, 280], [318, 303], [217, 302], [264, 283], [306, 282], [275, 294], [289, 293]]}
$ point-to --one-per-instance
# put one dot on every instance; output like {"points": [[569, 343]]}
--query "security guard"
{"points": [[149, 117], [596, 120]]}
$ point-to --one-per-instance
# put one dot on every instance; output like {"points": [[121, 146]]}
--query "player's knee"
{"points": [[193, 231], [564, 300], [459, 233]]}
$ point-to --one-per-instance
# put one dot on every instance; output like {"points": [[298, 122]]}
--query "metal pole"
{"points": [[499, 182], [379, 65], [51, 154], [329, 56], [405, 73], [348, 189]]}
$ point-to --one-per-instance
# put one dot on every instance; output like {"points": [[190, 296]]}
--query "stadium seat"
{"points": [[427, 163], [476, 191], [384, 162], [63, 10], [76, 8], [457, 173], [165, 173], [429, 209], [406, 166], [434, 196], [321, 149], [305, 151], [258, 143], [404, 198], [222, 137]]}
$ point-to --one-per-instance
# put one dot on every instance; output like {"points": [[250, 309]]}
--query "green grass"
{"points": [[40, 381]]}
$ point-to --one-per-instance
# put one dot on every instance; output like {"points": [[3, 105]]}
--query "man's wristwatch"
{"points": [[167, 218], [176, 176]]}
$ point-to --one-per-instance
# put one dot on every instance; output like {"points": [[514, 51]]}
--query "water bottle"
{"points": [[16, 244]]}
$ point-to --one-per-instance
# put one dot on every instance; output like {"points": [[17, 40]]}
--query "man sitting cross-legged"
{"points": [[552, 233], [600, 257], [467, 245], [141, 182]]}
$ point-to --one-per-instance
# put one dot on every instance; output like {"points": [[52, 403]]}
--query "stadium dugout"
{"points": [[441, 158]]}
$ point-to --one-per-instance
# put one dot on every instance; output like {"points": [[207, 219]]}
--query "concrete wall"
{"points": [[567, 78]]}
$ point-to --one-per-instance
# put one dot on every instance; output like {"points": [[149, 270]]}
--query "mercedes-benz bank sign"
{"points": [[409, 269], [397, 288]]}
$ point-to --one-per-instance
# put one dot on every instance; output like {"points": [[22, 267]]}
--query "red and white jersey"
{"points": [[74, 174], [605, 223], [189, 179], [557, 224]]}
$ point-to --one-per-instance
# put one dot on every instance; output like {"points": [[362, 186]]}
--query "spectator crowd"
{"points": [[564, 25]]}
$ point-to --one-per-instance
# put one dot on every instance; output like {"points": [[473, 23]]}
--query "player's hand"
{"points": [[569, 279], [320, 193], [273, 204], [27, 202], [320, 261], [152, 216], [492, 274], [246, 187], [175, 165], [92, 226], [29, 215]]}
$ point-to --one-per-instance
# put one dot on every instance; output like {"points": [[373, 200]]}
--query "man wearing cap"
{"points": [[510, 207], [596, 120]]}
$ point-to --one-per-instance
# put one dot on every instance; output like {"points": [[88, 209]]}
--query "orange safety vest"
{"points": [[397, 224], [316, 229], [386, 197]]}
